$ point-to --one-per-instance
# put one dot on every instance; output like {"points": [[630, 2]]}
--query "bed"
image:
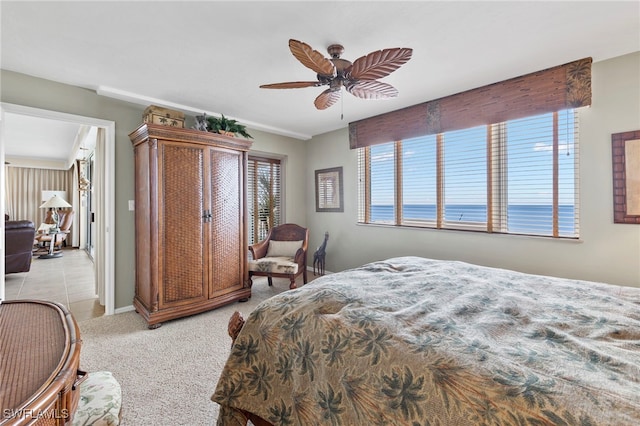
{"points": [[414, 341]]}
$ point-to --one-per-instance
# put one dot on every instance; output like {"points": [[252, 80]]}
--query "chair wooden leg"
{"points": [[270, 280], [293, 282], [304, 275]]}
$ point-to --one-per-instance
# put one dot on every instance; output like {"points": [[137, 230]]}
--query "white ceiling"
{"points": [[52, 137], [211, 56]]}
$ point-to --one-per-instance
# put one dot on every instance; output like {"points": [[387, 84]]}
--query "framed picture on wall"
{"points": [[329, 194], [626, 176]]}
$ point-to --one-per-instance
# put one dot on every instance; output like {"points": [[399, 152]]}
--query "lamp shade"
{"points": [[55, 202]]}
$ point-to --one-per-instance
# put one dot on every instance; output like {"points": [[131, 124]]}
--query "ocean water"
{"points": [[526, 219]]}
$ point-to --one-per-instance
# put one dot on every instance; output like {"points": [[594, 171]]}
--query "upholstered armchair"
{"points": [[283, 254], [65, 220]]}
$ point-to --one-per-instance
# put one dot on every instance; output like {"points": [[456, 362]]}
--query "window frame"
{"points": [[255, 235], [497, 200]]}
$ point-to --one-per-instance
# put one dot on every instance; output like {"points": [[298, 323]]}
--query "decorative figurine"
{"points": [[319, 255], [201, 123]]}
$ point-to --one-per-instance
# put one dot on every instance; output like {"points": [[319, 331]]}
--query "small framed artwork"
{"points": [[626, 177], [329, 194]]}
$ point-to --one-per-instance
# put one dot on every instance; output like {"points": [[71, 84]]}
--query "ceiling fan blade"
{"points": [[327, 98], [379, 64], [291, 85], [312, 59], [366, 89]]}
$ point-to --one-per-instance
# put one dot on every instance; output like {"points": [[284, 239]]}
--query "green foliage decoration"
{"points": [[224, 124]]}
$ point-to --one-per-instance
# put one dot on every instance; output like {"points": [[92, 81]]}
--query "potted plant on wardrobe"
{"points": [[221, 125]]}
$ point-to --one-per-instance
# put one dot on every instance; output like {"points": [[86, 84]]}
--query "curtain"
{"points": [[100, 213], [23, 191], [75, 202], [8, 201], [82, 209]]}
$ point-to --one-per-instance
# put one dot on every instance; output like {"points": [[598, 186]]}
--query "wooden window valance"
{"points": [[554, 89]]}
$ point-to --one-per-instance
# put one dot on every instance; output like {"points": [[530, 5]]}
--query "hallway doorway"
{"points": [[103, 192]]}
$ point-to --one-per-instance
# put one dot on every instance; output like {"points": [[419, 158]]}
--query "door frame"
{"points": [[108, 259]]}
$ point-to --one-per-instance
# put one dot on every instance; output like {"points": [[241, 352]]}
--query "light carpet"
{"points": [[168, 374]]}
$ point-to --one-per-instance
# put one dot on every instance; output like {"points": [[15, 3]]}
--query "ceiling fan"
{"points": [[358, 78]]}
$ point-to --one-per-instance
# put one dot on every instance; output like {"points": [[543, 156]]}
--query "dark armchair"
{"points": [[18, 242], [283, 254]]}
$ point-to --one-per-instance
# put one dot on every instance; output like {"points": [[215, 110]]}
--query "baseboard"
{"points": [[310, 269], [125, 309], [131, 308]]}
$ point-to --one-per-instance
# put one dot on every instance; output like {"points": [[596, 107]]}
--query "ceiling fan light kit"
{"points": [[358, 78]]}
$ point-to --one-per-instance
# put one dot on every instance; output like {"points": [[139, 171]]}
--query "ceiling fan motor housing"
{"points": [[335, 50], [342, 67]]}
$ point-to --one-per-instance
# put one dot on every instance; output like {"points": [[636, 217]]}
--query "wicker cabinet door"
{"points": [[227, 183], [181, 188]]}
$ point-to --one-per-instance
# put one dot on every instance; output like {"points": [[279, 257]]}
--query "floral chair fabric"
{"points": [[100, 401], [280, 265]]}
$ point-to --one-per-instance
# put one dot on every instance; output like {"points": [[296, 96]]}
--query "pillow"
{"points": [[100, 401], [283, 248]]}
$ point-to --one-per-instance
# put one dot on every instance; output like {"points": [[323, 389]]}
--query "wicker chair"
{"points": [[283, 254]]}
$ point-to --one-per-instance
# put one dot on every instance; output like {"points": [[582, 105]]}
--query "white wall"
{"points": [[606, 251]]}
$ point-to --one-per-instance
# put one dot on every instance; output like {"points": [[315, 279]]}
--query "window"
{"points": [[541, 169], [382, 179], [464, 172], [419, 181], [263, 195], [517, 177]]}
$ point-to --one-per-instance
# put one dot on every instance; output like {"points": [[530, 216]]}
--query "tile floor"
{"points": [[68, 280]]}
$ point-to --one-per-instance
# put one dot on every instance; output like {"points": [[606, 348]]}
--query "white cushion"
{"points": [[279, 265], [283, 248], [45, 228]]}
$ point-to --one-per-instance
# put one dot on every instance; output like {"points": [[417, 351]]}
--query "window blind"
{"points": [[419, 180], [539, 163], [518, 177], [383, 182], [464, 170], [263, 196]]}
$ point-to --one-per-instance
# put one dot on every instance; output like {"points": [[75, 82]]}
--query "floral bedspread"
{"points": [[413, 341]]}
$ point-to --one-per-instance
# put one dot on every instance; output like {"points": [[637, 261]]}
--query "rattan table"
{"points": [[39, 360]]}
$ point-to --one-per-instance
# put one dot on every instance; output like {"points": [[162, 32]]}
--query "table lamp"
{"points": [[54, 203]]}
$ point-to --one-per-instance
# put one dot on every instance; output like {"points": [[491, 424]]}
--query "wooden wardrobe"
{"points": [[190, 221]]}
